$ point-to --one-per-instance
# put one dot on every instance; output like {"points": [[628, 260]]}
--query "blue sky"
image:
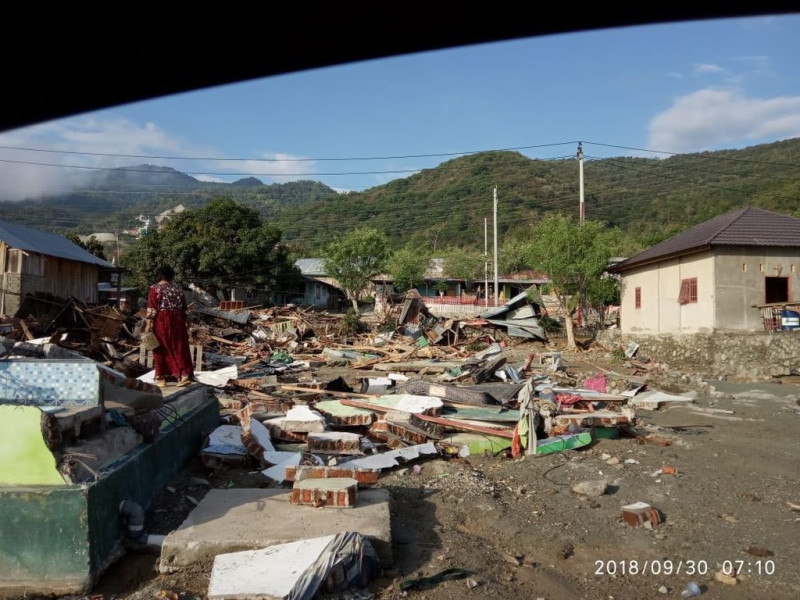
{"points": [[646, 91]]}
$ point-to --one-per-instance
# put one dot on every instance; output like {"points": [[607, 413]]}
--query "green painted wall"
{"points": [[26, 460], [57, 539]]}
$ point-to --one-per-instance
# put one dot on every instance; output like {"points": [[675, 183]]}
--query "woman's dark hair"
{"points": [[166, 273]]}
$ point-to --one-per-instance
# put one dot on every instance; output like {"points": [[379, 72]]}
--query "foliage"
{"points": [[91, 245], [352, 324], [549, 324], [512, 256], [354, 259], [407, 267], [463, 263], [575, 257], [220, 246], [651, 198]]}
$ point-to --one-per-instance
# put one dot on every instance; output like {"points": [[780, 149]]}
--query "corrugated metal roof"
{"points": [[749, 226], [311, 266], [49, 244]]}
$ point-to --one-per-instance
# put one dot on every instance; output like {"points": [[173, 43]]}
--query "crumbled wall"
{"points": [[757, 356]]}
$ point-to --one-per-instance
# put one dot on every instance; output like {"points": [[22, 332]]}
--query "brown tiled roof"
{"points": [[744, 227]]}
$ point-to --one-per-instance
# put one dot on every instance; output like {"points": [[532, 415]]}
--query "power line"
{"points": [[216, 174], [213, 158]]}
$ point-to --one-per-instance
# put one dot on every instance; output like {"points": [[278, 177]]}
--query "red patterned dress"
{"points": [[166, 303]]}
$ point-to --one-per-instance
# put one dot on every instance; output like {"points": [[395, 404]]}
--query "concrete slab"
{"points": [[234, 520]]}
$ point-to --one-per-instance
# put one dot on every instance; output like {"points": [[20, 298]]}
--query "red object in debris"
{"points": [[639, 513], [669, 471]]}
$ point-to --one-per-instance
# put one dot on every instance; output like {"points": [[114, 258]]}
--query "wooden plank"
{"points": [[299, 388], [450, 423]]}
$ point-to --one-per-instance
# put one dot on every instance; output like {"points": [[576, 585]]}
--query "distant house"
{"points": [[713, 276], [36, 261], [320, 290], [436, 283]]}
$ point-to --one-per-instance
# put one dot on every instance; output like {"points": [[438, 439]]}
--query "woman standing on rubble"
{"points": [[166, 316]]}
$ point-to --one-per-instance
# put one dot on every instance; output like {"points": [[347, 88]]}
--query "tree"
{"points": [[354, 259], [219, 246], [575, 257], [407, 266], [91, 245], [512, 256], [466, 264]]}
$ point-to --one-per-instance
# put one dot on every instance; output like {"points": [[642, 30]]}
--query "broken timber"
{"points": [[450, 423]]}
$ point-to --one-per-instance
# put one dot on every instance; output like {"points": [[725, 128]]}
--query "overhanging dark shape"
{"points": [[66, 59]]}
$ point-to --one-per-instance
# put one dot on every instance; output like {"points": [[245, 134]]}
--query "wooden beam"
{"points": [[451, 423]]}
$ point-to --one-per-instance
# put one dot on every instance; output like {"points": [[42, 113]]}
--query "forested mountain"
{"points": [[652, 198], [451, 204], [116, 199]]}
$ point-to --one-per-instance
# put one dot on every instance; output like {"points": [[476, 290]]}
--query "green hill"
{"points": [[652, 198]]}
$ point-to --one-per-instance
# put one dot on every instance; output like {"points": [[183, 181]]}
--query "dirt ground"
{"points": [[519, 531]]}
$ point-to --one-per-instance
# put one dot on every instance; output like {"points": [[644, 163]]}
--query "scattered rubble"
{"points": [[424, 387]]}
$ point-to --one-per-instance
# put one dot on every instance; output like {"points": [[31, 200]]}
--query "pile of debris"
{"points": [[424, 387]]}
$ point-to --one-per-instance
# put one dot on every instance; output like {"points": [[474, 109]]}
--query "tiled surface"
{"points": [[50, 382]]}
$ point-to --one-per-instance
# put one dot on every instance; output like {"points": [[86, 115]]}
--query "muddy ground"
{"points": [[518, 529]]}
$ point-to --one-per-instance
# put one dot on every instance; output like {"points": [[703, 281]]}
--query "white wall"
{"points": [[660, 287]]}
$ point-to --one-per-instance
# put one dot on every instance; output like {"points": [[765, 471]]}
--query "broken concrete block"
{"points": [[334, 442], [340, 415], [225, 447], [341, 492], [640, 513], [301, 472], [296, 425], [297, 570], [591, 489], [417, 430]]}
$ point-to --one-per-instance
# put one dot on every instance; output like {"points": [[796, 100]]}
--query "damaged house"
{"points": [[33, 261], [320, 289], [713, 277]]}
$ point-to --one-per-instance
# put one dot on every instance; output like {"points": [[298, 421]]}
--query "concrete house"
{"points": [[37, 261], [714, 276]]}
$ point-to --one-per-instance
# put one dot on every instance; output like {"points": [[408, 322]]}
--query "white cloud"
{"points": [[58, 156], [209, 178], [709, 118], [707, 68], [277, 167]]}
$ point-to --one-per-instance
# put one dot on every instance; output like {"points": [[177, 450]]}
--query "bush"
{"points": [[550, 325]]}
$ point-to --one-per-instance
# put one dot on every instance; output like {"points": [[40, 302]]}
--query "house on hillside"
{"points": [[713, 277], [35, 261]]}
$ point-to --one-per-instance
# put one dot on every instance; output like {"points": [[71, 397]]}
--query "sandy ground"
{"points": [[518, 529]]}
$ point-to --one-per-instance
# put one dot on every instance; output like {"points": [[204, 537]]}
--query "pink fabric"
{"points": [[596, 382]]}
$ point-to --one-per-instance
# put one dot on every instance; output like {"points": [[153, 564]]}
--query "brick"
{"points": [[639, 513], [411, 428], [339, 415], [339, 492], [303, 472], [380, 431], [334, 442]]}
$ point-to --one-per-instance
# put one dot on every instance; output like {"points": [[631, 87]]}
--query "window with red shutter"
{"points": [[688, 293]]}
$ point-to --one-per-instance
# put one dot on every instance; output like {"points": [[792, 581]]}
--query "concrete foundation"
{"points": [[234, 520]]}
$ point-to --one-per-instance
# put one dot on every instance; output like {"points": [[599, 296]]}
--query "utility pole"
{"points": [[580, 177], [496, 292], [486, 261], [119, 273]]}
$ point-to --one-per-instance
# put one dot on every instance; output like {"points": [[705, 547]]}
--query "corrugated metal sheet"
{"points": [[49, 244]]}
